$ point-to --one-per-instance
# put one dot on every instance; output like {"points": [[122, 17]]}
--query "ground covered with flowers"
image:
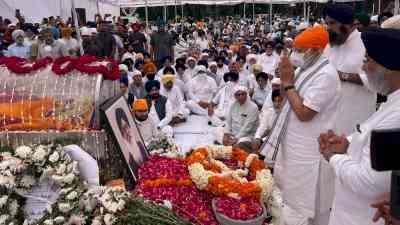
{"points": [[167, 181]]}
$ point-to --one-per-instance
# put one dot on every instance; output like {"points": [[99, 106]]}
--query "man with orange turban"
{"points": [[146, 125], [292, 147]]}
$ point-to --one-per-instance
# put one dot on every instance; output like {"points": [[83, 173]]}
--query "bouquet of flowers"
{"points": [[164, 146]]}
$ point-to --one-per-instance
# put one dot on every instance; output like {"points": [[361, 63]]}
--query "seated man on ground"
{"points": [[242, 119], [261, 90], [146, 125], [203, 89], [224, 98], [124, 87], [158, 106], [267, 119], [179, 112], [137, 87]]}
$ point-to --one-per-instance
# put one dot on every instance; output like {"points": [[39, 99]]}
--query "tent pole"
{"points": [[146, 12], [165, 12], [253, 13], [379, 7], [244, 9], [98, 6], [305, 11], [396, 7], [182, 10], [373, 8], [175, 10], [270, 15]]}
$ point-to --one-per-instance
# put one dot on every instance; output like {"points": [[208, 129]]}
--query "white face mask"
{"points": [[297, 59], [378, 83]]}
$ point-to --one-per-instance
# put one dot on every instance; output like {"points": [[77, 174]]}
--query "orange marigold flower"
{"points": [[239, 154], [197, 155], [256, 165]]}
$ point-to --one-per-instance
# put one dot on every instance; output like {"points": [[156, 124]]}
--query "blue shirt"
{"points": [[22, 51]]}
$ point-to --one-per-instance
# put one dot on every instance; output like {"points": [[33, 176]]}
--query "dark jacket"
{"points": [[160, 106]]}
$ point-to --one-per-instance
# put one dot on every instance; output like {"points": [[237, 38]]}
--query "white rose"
{"points": [[64, 207], [13, 208], [23, 151], [108, 219], [59, 219], [69, 178], [48, 222], [39, 154], [4, 218], [73, 195], [96, 221], [54, 157], [61, 169], [3, 200], [28, 181]]}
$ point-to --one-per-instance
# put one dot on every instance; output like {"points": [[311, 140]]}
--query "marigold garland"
{"points": [[215, 177], [166, 181]]}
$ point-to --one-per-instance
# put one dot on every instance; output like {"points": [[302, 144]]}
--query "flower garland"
{"points": [[58, 63], [21, 66], [222, 180], [82, 64]]}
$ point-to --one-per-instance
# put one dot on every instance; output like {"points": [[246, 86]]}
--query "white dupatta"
{"points": [[270, 148]]}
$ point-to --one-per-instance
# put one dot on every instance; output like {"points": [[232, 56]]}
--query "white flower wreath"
{"points": [[27, 167]]}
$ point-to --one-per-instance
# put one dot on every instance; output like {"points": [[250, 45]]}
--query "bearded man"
{"points": [[147, 127], [346, 53]]}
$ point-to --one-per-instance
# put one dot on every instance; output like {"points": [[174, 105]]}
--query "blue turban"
{"points": [[340, 12], [151, 84]]}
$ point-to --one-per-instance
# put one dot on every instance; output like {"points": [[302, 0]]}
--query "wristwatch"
{"points": [[345, 76], [289, 87]]}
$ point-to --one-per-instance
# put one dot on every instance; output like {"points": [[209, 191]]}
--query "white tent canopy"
{"points": [[35, 10], [153, 3]]}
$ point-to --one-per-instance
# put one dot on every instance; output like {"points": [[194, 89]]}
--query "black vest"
{"points": [[160, 106]]}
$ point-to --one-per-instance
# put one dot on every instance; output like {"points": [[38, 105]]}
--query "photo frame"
{"points": [[126, 133]]}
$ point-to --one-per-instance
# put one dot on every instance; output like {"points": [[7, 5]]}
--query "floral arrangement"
{"points": [[164, 146], [164, 179], [239, 209], [65, 65], [30, 165], [206, 170], [27, 166]]}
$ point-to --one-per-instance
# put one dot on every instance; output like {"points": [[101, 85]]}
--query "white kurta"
{"points": [[176, 101], [203, 87], [242, 120], [224, 99], [348, 58], [357, 184], [269, 63], [148, 129], [266, 122], [298, 164]]}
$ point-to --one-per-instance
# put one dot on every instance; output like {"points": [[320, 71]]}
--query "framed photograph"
{"points": [[126, 133]]}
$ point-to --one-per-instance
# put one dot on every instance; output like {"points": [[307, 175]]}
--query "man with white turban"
{"points": [[19, 48], [242, 118], [190, 70]]}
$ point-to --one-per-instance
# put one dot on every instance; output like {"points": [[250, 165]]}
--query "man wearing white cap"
{"points": [[213, 73], [242, 119], [203, 88], [19, 49], [190, 71], [137, 87]]}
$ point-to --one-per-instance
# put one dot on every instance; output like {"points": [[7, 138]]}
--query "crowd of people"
{"points": [[302, 94]]}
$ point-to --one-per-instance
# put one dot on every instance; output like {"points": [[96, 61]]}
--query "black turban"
{"points": [[383, 46], [152, 83], [233, 75], [340, 12]]}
